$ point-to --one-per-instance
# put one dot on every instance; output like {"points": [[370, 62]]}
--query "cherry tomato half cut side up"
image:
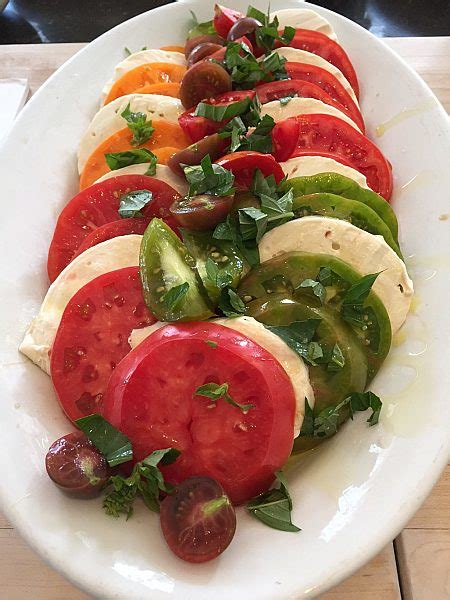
{"points": [[92, 338], [214, 145], [299, 135], [198, 520], [203, 80], [244, 164], [151, 398], [99, 204], [202, 212], [224, 19]]}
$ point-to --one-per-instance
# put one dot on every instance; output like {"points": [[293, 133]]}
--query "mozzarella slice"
{"points": [[108, 120], [303, 18], [301, 56], [303, 106], [162, 172], [143, 57], [288, 359], [364, 252], [110, 255], [313, 165]]}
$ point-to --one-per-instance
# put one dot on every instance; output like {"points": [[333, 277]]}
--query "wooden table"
{"points": [[416, 566]]}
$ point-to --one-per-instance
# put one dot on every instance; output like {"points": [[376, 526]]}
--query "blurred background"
{"points": [[44, 21]]}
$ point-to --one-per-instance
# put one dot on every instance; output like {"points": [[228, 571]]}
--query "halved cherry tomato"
{"points": [[220, 54], [76, 466], [203, 80], [165, 135], [244, 164], [224, 19], [149, 73], [111, 230], [202, 51], [99, 204], [151, 397], [201, 39], [304, 89], [214, 145], [198, 520], [92, 338], [320, 44], [299, 135], [199, 127], [202, 212]]}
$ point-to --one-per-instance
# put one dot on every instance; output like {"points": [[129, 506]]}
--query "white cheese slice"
{"points": [[143, 57], [162, 172], [301, 56], [107, 256], [364, 252], [313, 165], [108, 119], [303, 106], [293, 365], [303, 18]]}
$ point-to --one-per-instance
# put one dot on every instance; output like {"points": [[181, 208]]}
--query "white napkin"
{"points": [[13, 95]]}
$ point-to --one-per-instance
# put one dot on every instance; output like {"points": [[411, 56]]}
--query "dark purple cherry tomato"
{"points": [[201, 39], [244, 27], [202, 51], [198, 520], [202, 212], [76, 466], [213, 145], [203, 80]]}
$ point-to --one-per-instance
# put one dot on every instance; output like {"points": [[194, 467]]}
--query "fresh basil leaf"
{"points": [[219, 113], [137, 123], [254, 13], [317, 288], [112, 443], [211, 343], [206, 28], [221, 278], [287, 36], [307, 429], [273, 508], [361, 401], [230, 231], [359, 291], [173, 297], [151, 171], [327, 421], [274, 64], [117, 160], [327, 277], [260, 140], [215, 392], [299, 337], [314, 353], [208, 178], [252, 223], [132, 203], [166, 457], [127, 52], [230, 303], [337, 359]]}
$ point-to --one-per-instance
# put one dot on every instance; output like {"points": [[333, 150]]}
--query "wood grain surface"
{"points": [[417, 565]]}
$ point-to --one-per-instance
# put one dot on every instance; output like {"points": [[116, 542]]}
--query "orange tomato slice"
{"points": [[173, 48], [167, 139], [149, 73], [165, 89]]}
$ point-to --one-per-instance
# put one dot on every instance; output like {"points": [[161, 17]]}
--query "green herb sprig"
{"points": [[138, 124], [112, 443], [215, 392], [118, 160], [131, 204], [208, 178], [274, 507]]}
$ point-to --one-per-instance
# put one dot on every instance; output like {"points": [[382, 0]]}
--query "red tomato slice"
{"points": [[99, 204], [224, 19], [199, 127], [326, 81], [92, 338], [300, 135], [244, 164], [320, 44], [304, 89], [151, 398], [112, 230]]}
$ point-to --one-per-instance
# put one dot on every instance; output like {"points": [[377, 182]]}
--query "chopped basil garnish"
{"points": [[137, 123], [318, 289], [337, 359], [211, 343], [230, 230], [200, 28], [299, 337], [267, 34], [174, 296], [230, 303], [223, 113], [146, 480], [352, 309], [246, 71], [117, 160], [215, 392], [221, 278], [273, 508], [111, 442], [127, 51], [132, 203], [208, 178]]}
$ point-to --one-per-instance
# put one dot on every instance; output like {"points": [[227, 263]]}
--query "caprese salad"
{"points": [[227, 281]]}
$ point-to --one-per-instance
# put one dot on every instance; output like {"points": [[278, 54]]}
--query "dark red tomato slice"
{"points": [[244, 164], [198, 520], [304, 89], [199, 127], [326, 81], [151, 398], [99, 204], [224, 19], [112, 230], [300, 135], [320, 44], [92, 338]]}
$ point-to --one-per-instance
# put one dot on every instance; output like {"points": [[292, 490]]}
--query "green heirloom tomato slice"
{"points": [[344, 186], [172, 287], [285, 273], [353, 211], [218, 263]]}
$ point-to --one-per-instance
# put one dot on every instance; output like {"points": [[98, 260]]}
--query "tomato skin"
{"points": [[224, 19], [304, 89], [193, 529], [307, 134], [244, 164], [203, 80], [111, 230], [98, 205], [151, 398], [202, 212]]}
